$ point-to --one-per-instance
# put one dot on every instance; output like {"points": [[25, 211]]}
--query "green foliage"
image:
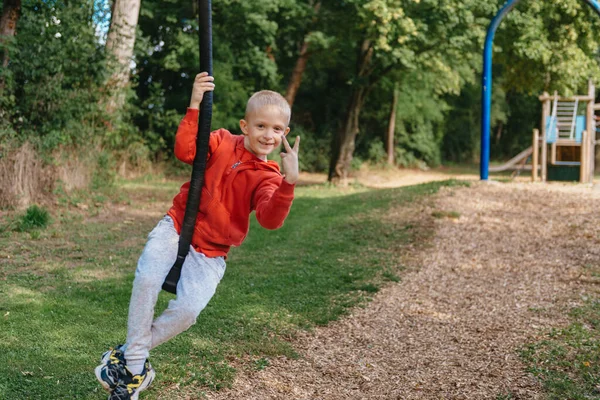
{"points": [[35, 217], [105, 172], [377, 153], [55, 85], [550, 46], [461, 141], [314, 149], [57, 75]]}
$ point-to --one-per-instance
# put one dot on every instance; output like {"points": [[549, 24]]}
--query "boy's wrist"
{"points": [[195, 105], [291, 180]]}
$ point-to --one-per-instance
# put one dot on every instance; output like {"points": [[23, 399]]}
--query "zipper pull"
{"points": [[234, 166]]}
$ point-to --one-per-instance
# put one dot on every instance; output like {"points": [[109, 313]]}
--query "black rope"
{"points": [[199, 165]]}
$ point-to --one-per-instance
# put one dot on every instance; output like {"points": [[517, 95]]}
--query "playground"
{"points": [[400, 271], [487, 272]]}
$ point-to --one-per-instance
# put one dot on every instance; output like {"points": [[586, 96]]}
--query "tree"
{"points": [[304, 55], [549, 46], [120, 44], [11, 10], [432, 36]]}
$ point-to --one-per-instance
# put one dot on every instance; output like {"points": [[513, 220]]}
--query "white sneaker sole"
{"points": [[98, 372], [103, 361], [147, 382]]}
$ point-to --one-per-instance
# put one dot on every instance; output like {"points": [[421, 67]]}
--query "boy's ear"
{"points": [[287, 130], [244, 126]]}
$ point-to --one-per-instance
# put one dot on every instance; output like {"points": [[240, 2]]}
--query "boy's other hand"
{"points": [[289, 161], [202, 83]]}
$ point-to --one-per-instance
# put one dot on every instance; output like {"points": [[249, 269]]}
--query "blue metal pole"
{"points": [[486, 91], [595, 5], [486, 88]]}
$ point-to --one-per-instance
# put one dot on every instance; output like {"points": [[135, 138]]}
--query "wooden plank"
{"points": [[567, 142], [510, 164], [582, 169], [536, 150], [545, 97], [591, 137], [545, 114]]}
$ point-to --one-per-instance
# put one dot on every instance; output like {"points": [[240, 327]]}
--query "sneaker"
{"points": [[130, 385], [111, 368]]}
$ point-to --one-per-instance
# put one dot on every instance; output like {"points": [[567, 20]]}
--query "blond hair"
{"points": [[268, 98]]}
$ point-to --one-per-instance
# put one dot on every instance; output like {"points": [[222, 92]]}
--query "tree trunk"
{"points": [[343, 146], [499, 131], [119, 44], [296, 79], [8, 26], [300, 67], [392, 129]]}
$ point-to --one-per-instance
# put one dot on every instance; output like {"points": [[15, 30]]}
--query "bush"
{"points": [[105, 172], [57, 76], [377, 154], [407, 159], [35, 218], [314, 150]]}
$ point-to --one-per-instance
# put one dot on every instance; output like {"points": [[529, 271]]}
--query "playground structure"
{"points": [[565, 148], [486, 100], [568, 130]]}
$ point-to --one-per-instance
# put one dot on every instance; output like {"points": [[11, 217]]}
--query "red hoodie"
{"points": [[236, 183]]}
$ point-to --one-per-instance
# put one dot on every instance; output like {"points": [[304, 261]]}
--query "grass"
{"points": [[65, 292], [445, 214], [567, 360], [34, 218]]}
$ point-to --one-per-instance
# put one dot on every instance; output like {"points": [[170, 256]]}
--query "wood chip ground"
{"points": [[506, 263]]}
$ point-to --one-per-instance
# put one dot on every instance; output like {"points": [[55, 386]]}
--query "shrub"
{"points": [[377, 154], [34, 218], [105, 173], [314, 149]]}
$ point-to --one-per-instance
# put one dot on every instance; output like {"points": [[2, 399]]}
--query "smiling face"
{"points": [[264, 129]]}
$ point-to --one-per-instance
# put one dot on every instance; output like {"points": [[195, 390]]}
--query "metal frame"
{"points": [[486, 82]]}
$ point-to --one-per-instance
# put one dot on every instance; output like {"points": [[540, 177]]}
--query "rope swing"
{"points": [[202, 140]]}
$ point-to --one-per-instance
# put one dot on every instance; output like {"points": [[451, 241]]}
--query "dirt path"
{"points": [[495, 277], [393, 177]]}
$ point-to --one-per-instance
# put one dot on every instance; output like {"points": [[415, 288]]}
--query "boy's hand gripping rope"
{"points": [[199, 165]]}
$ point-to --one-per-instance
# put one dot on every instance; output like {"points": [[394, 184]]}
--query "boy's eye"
{"points": [[261, 126]]}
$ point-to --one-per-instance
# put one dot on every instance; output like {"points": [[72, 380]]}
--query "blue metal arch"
{"points": [[486, 82]]}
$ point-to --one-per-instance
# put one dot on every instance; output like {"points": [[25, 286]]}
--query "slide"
{"points": [[520, 158]]}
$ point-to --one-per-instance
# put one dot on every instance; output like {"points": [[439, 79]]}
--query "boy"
{"points": [[238, 180]]}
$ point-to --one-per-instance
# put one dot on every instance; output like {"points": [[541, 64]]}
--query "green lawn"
{"points": [[64, 290], [567, 360]]}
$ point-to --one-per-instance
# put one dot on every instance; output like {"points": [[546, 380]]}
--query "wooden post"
{"points": [[545, 115], [591, 137], [392, 128], [583, 158], [536, 149]]}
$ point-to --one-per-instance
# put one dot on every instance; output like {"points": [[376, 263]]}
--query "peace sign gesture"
{"points": [[289, 160]]}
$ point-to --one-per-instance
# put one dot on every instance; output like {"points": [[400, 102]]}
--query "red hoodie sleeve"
{"points": [[272, 201], [185, 139]]}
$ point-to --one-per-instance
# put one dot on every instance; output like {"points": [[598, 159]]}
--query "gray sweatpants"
{"points": [[200, 276]]}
